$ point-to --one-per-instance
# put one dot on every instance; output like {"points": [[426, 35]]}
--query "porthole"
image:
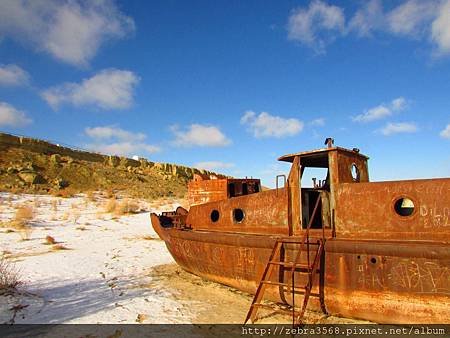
{"points": [[373, 260], [215, 216], [355, 172], [238, 215], [404, 207]]}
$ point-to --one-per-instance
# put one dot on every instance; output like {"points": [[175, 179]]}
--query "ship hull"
{"points": [[380, 281]]}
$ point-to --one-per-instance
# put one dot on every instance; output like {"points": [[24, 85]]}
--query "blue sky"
{"points": [[232, 85]]}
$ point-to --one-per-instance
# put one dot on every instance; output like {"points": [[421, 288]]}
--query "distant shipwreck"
{"points": [[377, 251]]}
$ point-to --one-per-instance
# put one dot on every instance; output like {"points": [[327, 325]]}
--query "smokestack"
{"points": [[329, 142]]}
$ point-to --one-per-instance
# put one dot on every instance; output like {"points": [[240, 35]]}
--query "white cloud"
{"points": [[10, 116], [397, 128], [319, 122], [110, 132], [266, 125], [373, 114], [199, 135], [381, 111], [71, 31], [123, 148], [411, 17], [366, 19], [306, 25], [12, 75], [213, 165], [321, 23], [398, 104], [117, 141], [440, 29], [446, 132], [108, 89]]}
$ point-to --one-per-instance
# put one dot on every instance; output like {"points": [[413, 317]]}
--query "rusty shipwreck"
{"points": [[378, 251]]}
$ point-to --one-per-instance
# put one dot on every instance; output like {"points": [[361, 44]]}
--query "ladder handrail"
{"points": [[305, 237], [308, 288], [261, 286], [297, 257]]}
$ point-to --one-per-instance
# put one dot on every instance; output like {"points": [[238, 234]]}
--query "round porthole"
{"points": [[215, 215], [404, 206], [355, 172], [238, 215]]}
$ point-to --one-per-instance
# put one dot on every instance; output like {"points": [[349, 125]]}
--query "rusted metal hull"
{"points": [[386, 282]]}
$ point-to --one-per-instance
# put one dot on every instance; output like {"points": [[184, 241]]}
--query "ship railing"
{"points": [[277, 180]]}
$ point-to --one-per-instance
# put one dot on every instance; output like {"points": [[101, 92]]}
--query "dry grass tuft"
{"points": [[21, 222], [108, 193], [90, 196], [110, 205], [59, 247], [24, 214], [141, 318], [127, 206], [76, 216], [6, 253], [55, 205], [150, 238], [37, 203], [81, 228], [9, 276], [64, 193], [49, 240]]}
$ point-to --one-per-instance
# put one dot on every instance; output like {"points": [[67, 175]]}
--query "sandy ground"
{"points": [[114, 270]]}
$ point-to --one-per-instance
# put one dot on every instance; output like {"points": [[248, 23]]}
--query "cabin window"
{"points": [[215, 215], [355, 172], [244, 189], [231, 190], [238, 215], [404, 206], [314, 178]]}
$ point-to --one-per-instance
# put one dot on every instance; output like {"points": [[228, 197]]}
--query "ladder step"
{"points": [[268, 282], [291, 264], [289, 286], [297, 265], [280, 310], [296, 241]]}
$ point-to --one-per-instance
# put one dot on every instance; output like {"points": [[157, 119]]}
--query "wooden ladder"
{"points": [[309, 268]]}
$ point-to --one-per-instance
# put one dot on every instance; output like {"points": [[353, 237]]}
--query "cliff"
{"points": [[36, 166]]}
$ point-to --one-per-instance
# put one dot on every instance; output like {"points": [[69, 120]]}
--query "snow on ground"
{"points": [[102, 276]]}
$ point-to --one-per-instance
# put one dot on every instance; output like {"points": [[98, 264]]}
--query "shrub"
{"points": [[127, 206], [110, 205], [21, 221], [9, 276], [24, 214]]}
